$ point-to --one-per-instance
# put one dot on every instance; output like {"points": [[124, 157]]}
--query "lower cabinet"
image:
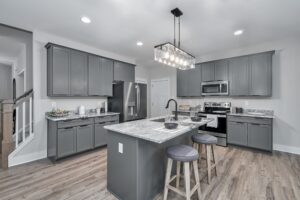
{"points": [[84, 136], [66, 141], [237, 133], [65, 138], [250, 132], [260, 136], [100, 133]]}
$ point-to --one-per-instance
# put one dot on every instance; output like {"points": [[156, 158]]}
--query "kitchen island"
{"points": [[136, 160]]}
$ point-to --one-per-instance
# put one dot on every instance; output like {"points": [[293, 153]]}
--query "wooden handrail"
{"points": [[23, 96]]}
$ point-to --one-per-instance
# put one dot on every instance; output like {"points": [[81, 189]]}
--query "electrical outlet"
{"points": [[120, 147]]}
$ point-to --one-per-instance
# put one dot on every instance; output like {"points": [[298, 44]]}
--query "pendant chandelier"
{"points": [[171, 54]]}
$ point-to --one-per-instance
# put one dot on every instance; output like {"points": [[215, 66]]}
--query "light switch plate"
{"points": [[120, 147]]}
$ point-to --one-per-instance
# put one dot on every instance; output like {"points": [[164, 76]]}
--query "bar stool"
{"points": [[209, 142], [182, 154]]}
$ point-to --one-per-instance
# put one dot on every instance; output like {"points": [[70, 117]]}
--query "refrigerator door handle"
{"points": [[138, 95]]}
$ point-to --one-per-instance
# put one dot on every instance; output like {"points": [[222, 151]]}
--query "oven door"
{"points": [[215, 88]]}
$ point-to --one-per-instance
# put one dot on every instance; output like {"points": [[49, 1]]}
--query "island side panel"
{"points": [[52, 140], [122, 167], [152, 162]]}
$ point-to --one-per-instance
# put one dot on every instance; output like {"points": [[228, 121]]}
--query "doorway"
{"points": [[160, 94]]}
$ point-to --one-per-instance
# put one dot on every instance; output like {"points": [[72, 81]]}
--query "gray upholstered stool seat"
{"points": [[204, 139], [182, 153]]}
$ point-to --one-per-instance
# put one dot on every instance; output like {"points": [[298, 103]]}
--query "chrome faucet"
{"points": [[176, 113]]}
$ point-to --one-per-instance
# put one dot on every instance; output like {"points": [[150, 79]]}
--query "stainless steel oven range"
{"points": [[217, 128]]}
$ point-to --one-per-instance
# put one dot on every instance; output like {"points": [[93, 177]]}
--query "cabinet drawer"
{"points": [[75, 122], [253, 120], [107, 118]]}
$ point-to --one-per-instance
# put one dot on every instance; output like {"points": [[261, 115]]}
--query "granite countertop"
{"points": [[154, 131], [255, 113], [77, 116]]}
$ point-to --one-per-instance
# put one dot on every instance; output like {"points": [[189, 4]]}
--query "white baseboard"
{"points": [[18, 160], [288, 149]]}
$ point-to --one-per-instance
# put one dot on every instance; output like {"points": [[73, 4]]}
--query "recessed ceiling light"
{"points": [[85, 20], [238, 32], [139, 43]]}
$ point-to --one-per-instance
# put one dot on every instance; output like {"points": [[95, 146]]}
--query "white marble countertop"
{"points": [[77, 116], [154, 131], [252, 115]]}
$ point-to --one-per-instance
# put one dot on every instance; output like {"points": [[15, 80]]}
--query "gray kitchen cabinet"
{"points": [[66, 142], [107, 71], [237, 133], [239, 76], [260, 136], [78, 73], [85, 138], [100, 76], [124, 72], [254, 132], [260, 74], [58, 71], [68, 137], [189, 82], [221, 70], [208, 71]]}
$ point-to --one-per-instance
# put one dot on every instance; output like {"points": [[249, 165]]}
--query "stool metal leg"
{"points": [[178, 173], [195, 166], [187, 180], [208, 161], [168, 176], [214, 158]]}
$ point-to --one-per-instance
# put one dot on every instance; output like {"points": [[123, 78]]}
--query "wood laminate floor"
{"points": [[243, 174]]}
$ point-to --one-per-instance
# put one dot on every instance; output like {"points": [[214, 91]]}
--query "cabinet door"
{"points": [[208, 71], [237, 133], [238, 76], [78, 73], [59, 75], [260, 136], [182, 83], [94, 75], [85, 138], [124, 72], [66, 142], [107, 67], [100, 135], [194, 81], [261, 74], [221, 70]]}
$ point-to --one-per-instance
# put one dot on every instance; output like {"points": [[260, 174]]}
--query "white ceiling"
{"points": [[207, 25]]}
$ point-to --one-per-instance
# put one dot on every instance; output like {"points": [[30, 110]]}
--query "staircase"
{"points": [[17, 126]]}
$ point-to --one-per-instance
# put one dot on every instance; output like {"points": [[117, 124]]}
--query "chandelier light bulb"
{"points": [[160, 60], [172, 57], [167, 55]]}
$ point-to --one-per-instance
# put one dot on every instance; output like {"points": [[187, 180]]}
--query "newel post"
{"points": [[7, 131]]}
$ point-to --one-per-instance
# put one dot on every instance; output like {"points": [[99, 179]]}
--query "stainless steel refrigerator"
{"points": [[130, 100]]}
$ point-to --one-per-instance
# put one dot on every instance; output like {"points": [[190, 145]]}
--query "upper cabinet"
{"points": [[75, 73], [215, 71], [260, 74], [208, 71], [78, 73], [58, 69], [238, 76], [189, 82], [124, 72], [100, 76], [221, 70], [251, 75]]}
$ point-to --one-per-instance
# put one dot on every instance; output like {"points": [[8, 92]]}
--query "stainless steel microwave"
{"points": [[215, 88]]}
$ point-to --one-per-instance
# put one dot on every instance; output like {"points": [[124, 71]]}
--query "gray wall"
{"points": [[6, 90]]}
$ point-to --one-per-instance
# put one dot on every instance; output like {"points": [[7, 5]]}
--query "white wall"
{"points": [[42, 103], [286, 95]]}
